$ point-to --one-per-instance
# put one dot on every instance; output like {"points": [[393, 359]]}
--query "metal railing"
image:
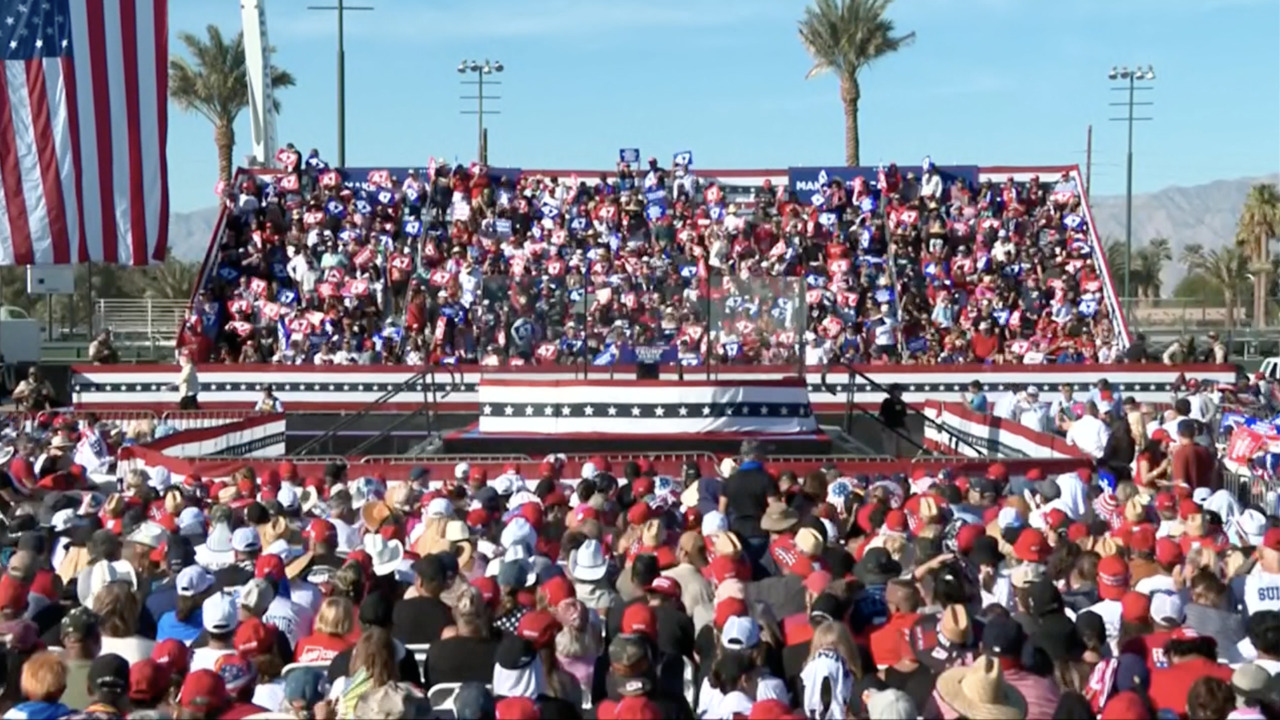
{"points": [[140, 319], [424, 377]]}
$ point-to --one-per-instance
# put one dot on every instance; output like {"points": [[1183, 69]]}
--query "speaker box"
{"points": [[646, 371]]}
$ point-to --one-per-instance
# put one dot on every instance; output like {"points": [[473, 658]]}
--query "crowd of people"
{"points": [[740, 591], [460, 265]]}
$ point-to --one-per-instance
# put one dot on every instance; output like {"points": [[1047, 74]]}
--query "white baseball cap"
{"points": [[461, 471], [193, 580], [1167, 608], [588, 470], [740, 633], [218, 613], [288, 497], [439, 508], [245, 540]]}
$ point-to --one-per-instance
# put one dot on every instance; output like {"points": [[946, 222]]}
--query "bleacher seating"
{"points": [[456, 265]]}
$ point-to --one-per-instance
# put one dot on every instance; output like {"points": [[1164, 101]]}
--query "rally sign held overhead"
{"points": [[806, 182], [631, 156]]}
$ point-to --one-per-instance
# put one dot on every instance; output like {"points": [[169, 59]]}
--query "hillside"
{"points": [[1204, 214]]}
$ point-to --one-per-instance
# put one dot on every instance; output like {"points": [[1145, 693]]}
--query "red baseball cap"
{"points": [[817, 581], [1077, 531], [148, 681], [556, 590], [1113, 577], [1135, 607], [769, 710], [1031, 546], [727, 608], [639, 513], [645, 465], [1056, 519], [555, 498], [488, 588], [517, 708], [478, 475], [538, 627], [173, 654], [1125, 706], [1035, 474], [1186, 633], [639, 619], [1143, 539], [631, 708], [270, 567], [997, 471], [967, 535], [320, 531], [1187, 508], [254, 637], [895, 521], [1168, 551], [723, 568], [1271, 540], [202, 690], [1164, 500], [532, 512], [664, 585]]}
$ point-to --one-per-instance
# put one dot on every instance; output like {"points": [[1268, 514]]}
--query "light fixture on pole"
{"points": [[480, 70], [1128, 82], [342, 8]]}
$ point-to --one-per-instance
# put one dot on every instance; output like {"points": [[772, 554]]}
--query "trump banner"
{"points": [[807, 182]]}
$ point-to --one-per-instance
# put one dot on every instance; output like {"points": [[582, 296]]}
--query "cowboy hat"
{"points": [[779, 518], [60, 442], [385, 555], [980, 691], [309, 499], [374, 513]]}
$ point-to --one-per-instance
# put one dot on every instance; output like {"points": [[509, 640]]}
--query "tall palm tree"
{"points": [[843, 37], [1226, 269], [1148, 264], [1259, 225], [215, 84]]}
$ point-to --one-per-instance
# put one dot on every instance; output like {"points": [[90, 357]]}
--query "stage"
{"points": [[473, 442]]}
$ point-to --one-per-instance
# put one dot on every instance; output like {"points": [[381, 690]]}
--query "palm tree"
{"points": [[1148, 264], [843, 37], [1259, 225], [215, 84], [171, 280], [1225, 269]]}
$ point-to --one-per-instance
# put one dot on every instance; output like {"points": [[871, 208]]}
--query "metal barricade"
{"points": [[433, 459]]}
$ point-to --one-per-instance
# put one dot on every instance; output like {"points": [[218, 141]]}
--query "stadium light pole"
{"points": [[480, 70], [342, 8], [1129, 80]]}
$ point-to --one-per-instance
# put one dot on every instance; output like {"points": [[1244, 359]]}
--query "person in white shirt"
{"points": [[1031, 413], [188, 385], [1088, 433], [1113, 583], [220, 619], [1004, 405], [1262, 584]]}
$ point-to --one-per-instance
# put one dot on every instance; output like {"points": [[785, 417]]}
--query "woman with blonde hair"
{"points": [[829, 674], [44, 679], [332, 633], [118, 610], [580, 638]]}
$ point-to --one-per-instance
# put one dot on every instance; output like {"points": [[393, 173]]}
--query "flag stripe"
{"points": [[153, 26], [19, 247], [81, 236], [28, 159], [137, 233], [94, 67], [47, 151], [113, 83], [57, 93]]}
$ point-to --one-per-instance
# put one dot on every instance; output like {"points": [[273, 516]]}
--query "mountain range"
{"points": [[1204, 214]]}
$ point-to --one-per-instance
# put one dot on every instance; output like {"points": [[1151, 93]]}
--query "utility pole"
{"points": [[480, 70], [1129, 84], [1088, 163], [342, 8]]}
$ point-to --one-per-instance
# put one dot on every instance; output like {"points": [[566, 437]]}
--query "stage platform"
{"points": [[471, 441]]}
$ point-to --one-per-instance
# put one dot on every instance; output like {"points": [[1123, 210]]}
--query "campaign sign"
{"points": [[631, 156], [357, 178], [683, 159], [806, 182]]}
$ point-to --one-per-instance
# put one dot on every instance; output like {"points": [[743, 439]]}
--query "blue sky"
{"points": [[987, 82]]}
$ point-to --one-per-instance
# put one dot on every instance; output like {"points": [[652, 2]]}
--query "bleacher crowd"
{"points": [[741, 591], [461, 265]]}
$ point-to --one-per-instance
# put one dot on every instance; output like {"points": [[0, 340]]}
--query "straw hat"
{"points": [[374, 513], [779, 518], [726, 544], [954, 625], [1135, 511], [980, 691]]}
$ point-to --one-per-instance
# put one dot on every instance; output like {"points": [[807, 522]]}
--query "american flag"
{"points": [[83, 122]]}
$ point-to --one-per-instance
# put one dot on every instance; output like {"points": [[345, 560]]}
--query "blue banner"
{"points": [[631, 156], [805, 182]]}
